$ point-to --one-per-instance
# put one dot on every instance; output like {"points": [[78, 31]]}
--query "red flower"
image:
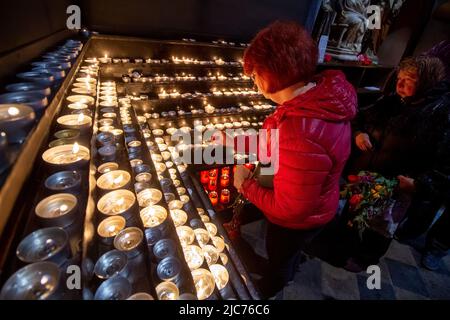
{"points": [[355, 200], [353, 178], [327, 57]]}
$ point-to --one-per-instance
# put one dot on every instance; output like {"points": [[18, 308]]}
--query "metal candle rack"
{"points": [[197, 217]]}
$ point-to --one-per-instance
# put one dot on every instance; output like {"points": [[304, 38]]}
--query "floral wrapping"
{"points": [[374, 202]]}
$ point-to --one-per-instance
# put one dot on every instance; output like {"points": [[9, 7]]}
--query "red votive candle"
{"points": [[225, 196], [204, 177], [226, 170], [213, 197], [212, 185], [224, 180]]}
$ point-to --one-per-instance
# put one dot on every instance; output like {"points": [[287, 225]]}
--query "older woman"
{"points": [[313, 123], [406, 135]]}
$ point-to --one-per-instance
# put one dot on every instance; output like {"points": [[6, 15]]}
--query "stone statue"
{"points": [[353, 14], [348, 28]]}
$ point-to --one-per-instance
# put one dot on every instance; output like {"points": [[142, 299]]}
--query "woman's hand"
{"points": [[362, 141], [241, 174], [406, 184]]}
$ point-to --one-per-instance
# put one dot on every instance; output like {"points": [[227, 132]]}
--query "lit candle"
{"points": [[153, 216], [111, 226], [66, 155], [204, 177], [194, 256], [186, 235], [220, 275], [202, 236], [113, 180], [204, 283], [116, 202], [224, 180], [225, 196], [211, 254], [167, 291], [179, 217], [149, 197]]}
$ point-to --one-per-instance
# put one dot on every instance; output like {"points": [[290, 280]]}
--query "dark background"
{"points": [[25, 21]]}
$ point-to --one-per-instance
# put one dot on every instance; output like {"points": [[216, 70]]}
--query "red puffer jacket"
{"points": [[314, 144]]}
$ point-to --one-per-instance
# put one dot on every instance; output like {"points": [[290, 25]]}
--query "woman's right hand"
{"points": [[362, 141]]}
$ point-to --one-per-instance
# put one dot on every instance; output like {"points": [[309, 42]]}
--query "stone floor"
{"points": [[402, 278]]}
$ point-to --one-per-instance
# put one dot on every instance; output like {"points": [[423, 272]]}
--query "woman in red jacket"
{"points": [[314, 138]]}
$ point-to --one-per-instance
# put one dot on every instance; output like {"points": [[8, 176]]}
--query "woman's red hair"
{"points": [[282, 54]]}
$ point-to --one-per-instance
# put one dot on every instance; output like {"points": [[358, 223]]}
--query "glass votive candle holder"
{"points": [[143, 177], [226, 170], [224, 180], [179, 217], [184, 198], [167, 290], [164, 248], [225, 196], [107, 167], [194, 256], [204, 218], [211, 254], [181, 191], [169, 269], [112, 263], [36, 281], [204, 283], [66, 157], [129, 240], [109, 228], [219, 243], [112, 180], [175, 204], [64, 182], [117, 202], [220, 274], [148, 197], [48, 244], [212, 184], [202, 236], [115, 288], [186, 235], [153, 216], [213, 197], [212, 229], [141, 296], [204, 177], [58, 210], [75, 121]]}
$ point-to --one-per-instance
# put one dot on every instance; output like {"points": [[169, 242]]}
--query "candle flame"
{"points": [[80, 117], [118, 180], [75, 148], [13, 111], [121, 201], [63, 208]]}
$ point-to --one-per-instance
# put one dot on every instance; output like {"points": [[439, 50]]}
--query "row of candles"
{"points": [[227, 92], [210, 109], [200, 243], [48, 249], [175, 60], [118, 229], [183, 77], [25, 102], [153, 216]]}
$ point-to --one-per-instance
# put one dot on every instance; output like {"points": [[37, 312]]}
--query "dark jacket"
{"points": [[409, 138]]}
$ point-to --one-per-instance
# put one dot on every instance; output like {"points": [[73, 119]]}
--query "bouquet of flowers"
{"points": [[370, 198]]}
